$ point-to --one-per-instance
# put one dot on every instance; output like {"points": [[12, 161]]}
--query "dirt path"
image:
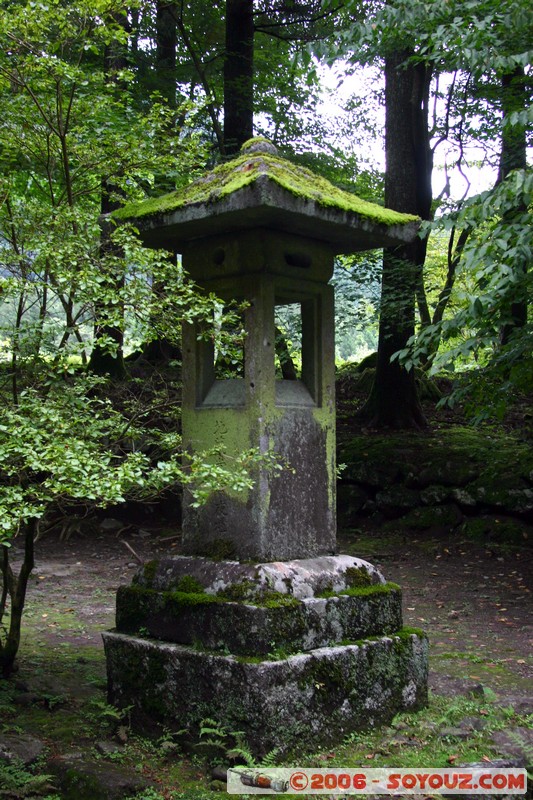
{"points": [[474, 603]]}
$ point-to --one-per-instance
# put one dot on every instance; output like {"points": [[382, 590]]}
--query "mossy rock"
{"points": [[85, 779], [396, 501], [351, 501], [456, 457], [251, 165], [443, 518], [501, 530]]}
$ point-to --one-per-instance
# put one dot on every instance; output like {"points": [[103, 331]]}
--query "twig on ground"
{"points": [[130, 548]]}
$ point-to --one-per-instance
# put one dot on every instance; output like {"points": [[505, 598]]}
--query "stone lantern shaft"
{"points": [[288, 513], [263, 231]]}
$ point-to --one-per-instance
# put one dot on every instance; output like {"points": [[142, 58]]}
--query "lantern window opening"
{"points": [[288, 333], [229, 334]]}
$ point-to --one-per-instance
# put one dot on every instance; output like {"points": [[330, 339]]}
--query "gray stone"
{"points": [[259, 242], [246, 629], [96, 780], [108, 748], [455, 733], [495, 764], [463, 497], [510, 494], [20, 747], [435, 495], [522, 704], [263, 202], [27, 699], [516, 743], [396, 500], [310, 699], [473, 723], [449, 473], [300, 578], [351, 499], [449, 686], [370, 475]]}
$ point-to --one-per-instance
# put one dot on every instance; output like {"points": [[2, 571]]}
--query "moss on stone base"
{"points": [[306, 701], [268, 624]]}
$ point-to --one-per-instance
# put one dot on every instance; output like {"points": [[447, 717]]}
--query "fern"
{"points": [[520, 741], [271, 759]]}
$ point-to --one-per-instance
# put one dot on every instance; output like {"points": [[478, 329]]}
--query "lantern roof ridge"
{"points": [[258, 176]]}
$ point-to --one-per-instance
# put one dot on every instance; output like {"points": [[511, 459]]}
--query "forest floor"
{"points": [[474, 603]]}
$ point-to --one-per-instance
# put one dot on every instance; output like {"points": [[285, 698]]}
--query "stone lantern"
{"points": [[260, 230]]}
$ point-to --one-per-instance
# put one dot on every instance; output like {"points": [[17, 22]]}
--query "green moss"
{"points": [[149, 571], [182, 600], [357, 577], [218, 550], [364, 591], [277, 600], [80, 786], [489, 466], [406, 632], [249, 659], [247, 168], [249, 143], [238, 592], [495, 529], [246, 592], [426, 518], [189, 584]]}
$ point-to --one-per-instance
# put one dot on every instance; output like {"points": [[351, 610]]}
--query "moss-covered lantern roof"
{"points": [[259, 189]]}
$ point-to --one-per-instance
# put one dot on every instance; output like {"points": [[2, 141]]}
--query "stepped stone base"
{"points": [[295, 654], [304, 701]]}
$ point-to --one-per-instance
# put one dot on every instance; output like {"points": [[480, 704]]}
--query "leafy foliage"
{"points": [[69, 440], [494, 263]]}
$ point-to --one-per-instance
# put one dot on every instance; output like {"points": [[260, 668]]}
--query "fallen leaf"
{"points": [[452, 759]]}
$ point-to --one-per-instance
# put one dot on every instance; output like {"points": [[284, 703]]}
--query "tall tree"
{"points": [[513, 156], [106, 359], [393, 401], [238, 75], [479, 40]]}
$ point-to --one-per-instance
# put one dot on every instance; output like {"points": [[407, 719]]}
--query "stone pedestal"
{"points": [[297, 654], [287, 515]]}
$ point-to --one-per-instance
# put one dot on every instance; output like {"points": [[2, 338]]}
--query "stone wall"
{"points": [[459, 480]]}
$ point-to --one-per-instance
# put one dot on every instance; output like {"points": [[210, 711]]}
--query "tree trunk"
{"points": [[15, 589], [393, 401], [166, 51], [238, 75], [159, 351], [102, 361], [513, 156]]}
